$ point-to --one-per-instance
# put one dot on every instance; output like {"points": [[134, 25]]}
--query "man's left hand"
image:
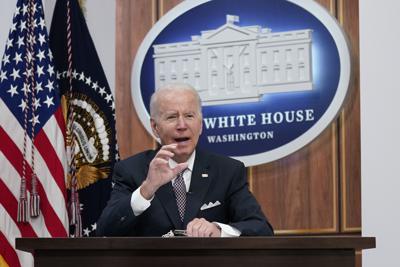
{"points": [[202, 228]]}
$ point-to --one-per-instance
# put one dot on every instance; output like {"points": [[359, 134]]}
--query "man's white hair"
{"points": [[157, 95]]}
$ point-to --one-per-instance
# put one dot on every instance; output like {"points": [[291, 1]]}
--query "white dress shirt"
{"points": [[139, 204]]}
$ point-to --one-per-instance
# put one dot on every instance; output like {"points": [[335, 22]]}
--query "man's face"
{"points": [[178, 121]]}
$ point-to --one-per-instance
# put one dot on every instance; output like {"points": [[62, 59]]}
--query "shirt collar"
{"points": [[172, 163]]}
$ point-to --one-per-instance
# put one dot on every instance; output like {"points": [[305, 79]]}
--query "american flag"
{"points": [[32, 137]]}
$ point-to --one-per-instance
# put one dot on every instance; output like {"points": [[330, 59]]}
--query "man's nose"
{"points": [[181, 123]]}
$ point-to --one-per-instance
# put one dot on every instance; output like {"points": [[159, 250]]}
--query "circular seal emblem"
{"points": [[272, 74]]}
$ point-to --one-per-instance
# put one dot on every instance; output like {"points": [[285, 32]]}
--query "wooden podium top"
{"points": [[186, 243], [295, 251]]}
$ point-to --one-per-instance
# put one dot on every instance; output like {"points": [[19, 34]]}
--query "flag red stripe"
{"points": [[14, 156], [60, 121], [53, 163], [8, 252], [11, 206]]}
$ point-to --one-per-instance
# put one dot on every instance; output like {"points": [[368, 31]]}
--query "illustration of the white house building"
{"points": [[234, 64]]}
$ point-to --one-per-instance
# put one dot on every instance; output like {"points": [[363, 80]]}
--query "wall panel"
{"points": [[166, 5], [299, 192], [350, 145], [134, 20]]}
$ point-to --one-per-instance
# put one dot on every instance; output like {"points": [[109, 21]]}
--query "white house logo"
{"points": [[234, 64], [271, 74]]}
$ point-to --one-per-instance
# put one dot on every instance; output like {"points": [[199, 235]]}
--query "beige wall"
{"points": [[380, 129]]}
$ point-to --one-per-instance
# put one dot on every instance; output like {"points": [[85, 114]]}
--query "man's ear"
{"points": [[154, 127]]}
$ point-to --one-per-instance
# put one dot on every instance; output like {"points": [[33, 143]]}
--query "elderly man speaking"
{"points": [[179, 186]]}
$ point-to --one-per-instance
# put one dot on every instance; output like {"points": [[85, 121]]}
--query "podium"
{"points": [[327, 251]]}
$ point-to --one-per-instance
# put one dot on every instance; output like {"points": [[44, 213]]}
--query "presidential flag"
{"points": [[89, 112], [32, 148]]}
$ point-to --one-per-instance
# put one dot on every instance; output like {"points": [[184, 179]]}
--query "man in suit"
{"points": [[179, 186]]}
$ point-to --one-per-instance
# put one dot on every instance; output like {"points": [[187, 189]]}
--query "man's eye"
{"points": [[171, 117]]}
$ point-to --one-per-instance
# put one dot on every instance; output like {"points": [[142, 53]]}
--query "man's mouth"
{"points": [[181, 139]]}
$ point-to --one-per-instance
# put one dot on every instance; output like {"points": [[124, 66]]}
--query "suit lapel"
{"points": [[200, 182], [167, 199]]}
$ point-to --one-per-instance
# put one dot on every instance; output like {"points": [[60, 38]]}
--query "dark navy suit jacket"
{"points": [[214, 178]]}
